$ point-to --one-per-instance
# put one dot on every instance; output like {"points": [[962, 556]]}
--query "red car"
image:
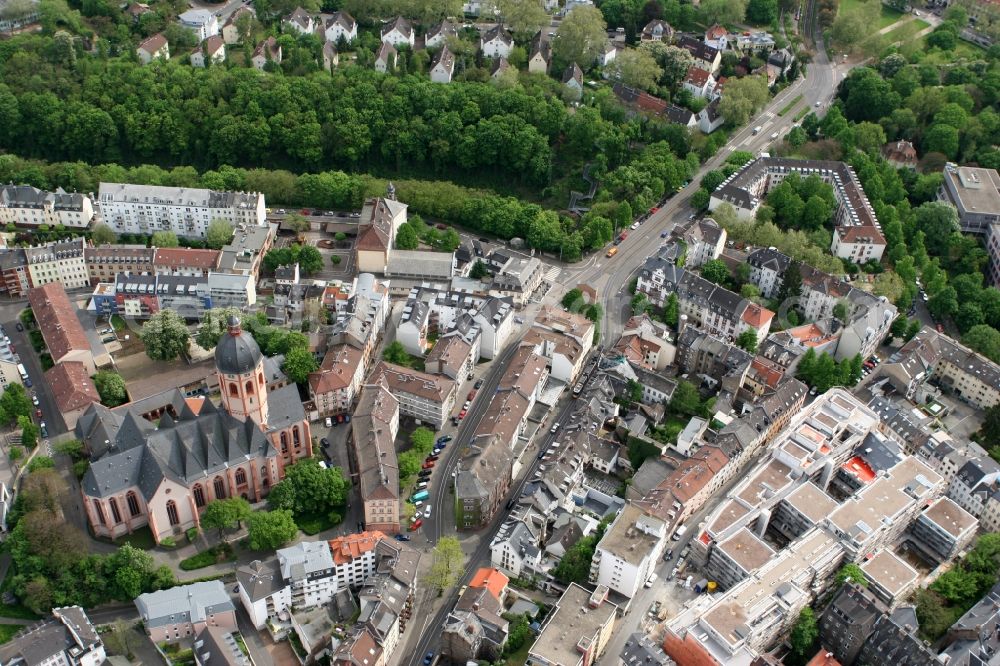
{"points": [[461, 414], [428, 464], [415, 525], [38, 413], [472, 395], [653, 209], [305, 211]]}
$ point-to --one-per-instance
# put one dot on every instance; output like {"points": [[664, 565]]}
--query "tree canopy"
{"points": [[165, 336]]}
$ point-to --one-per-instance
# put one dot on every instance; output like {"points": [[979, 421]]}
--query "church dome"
{"points": [[237, 352]]}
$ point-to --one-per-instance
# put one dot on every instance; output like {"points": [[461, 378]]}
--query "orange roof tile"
{"points": [[195, 404], [492, 580], [351, 546], [757, 316]]}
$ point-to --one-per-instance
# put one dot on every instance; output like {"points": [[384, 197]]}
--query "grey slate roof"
{"points": [[260, 579], [184, 603], [237, 352]]}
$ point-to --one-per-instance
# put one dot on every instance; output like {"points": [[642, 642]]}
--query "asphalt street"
{"points": [[610, 276]]}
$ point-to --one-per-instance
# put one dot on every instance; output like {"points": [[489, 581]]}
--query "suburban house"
{"points": [[398, 32], [201, 22], [710, 118], [657, 31], [230, 30], [699, 82], [499, 67], [496, 43], [540, 55], [152, 48], [340, 25], [185, 610], [900, 154], [705, 57], [443, 66], [573, 80], [212, 50], [267, 51], [385, 60], [680, 115], [439, 34], [299, 21], [717, 37]]}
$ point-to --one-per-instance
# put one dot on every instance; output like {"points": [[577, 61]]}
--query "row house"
{"points": [[61, 262], [26, 206], [180, 613], [645, 343], [564, 338], [376, 424], [185, 211]]}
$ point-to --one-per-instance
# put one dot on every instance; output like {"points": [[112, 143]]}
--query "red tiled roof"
{"points": [[716, 31], [697, 77], [57, 320], [757, 316], [71, 385], [154, 43], [492, 580], [184, 257], [351, 546]]}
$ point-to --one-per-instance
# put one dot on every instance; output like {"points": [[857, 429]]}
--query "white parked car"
{"points": [[650, 580], [329, 422], [427, 511]]}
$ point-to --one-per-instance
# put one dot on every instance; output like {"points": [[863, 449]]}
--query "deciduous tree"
{"points": [[165, 336], [447, 565], [269, 530], [580, 37]]}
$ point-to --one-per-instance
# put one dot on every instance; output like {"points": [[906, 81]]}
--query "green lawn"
{"points": [[142, 539], [206, 558], [17, 612], [905, 32], [117, 322], [888, 15], [8, 631]]}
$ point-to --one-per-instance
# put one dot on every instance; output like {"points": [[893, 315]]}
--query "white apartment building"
{"points": [[629, 551], [232, 291], [26, 206], [300, 577], [201, 22], [186, 211], [58, 262], [427, 398]]}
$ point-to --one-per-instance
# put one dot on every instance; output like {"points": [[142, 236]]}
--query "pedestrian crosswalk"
{"points": [[552, 274]]}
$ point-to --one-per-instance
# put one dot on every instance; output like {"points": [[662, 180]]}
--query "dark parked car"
{"points": [[479, 384], [324, 442], [402, 537], [18, 326], [444, 438]]}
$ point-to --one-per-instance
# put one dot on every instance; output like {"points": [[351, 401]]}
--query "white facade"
{"points": [[201, 22], [185, 211], [308, 568], [58, 262], [227, 290], [497, 47], [26, 206], [346, 27], [629, 552]]}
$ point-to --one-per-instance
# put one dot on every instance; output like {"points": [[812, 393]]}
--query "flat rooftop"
{"points": [[730, 512], [746, 550], [977, 189], [882, 500], [573, 624], [767, 480], [890, 572], [950, 517], [809, 500], [626, 542]]}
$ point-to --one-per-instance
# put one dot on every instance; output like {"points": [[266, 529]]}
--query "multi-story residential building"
{"points": [[857, 235], [975, 193], [931, 356], [337, 381], [454, 356], [376, 424], [163, 474], [16, 280], [185, 211], [183, 611], [944, 529], [385, 598], [475, 629], [201, 22], [246, 250], [849, 620], [216, 646], [61, 329], [398, 32], [105, 262], [73, 390], [425, 397], [232, 291], [889, 577], [976, 480], [565, 350], [68, 639], [641, 649], [58, 262], [712, 308], [644, 342], [185, 261], [301, 576], [767, 270], [26, 206], [712, 359], [704, 241], [577, 629], [629, 551], [485, 471], [517, 277], [974, 638], [788, 493]]}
